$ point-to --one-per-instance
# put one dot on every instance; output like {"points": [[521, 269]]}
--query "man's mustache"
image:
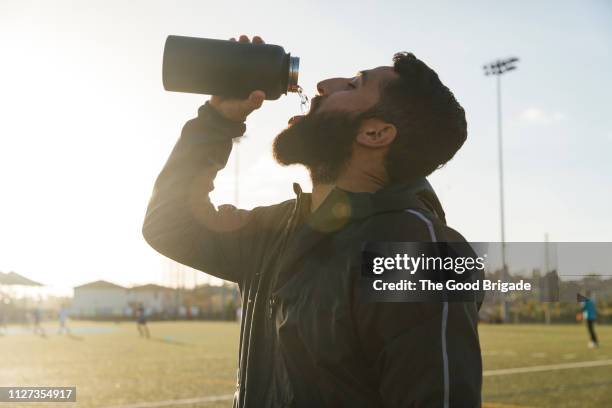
{"points": [[314, 106], [315, 103]]}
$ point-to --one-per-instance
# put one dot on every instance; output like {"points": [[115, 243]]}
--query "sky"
{"points": [[86, 125]]}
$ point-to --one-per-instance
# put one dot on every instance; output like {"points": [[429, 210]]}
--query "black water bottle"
{"points": [[228, 68]]}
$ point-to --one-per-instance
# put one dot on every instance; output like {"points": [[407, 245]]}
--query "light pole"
{"points": [[498, 68]]}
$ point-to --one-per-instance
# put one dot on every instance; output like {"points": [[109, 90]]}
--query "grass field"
{"points": [[111, 366]]}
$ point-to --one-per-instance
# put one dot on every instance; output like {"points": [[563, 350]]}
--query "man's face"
{"points": [[352, 95], [322, 140]]}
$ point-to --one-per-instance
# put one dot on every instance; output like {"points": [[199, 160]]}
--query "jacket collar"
{"points": [[342, 206]]}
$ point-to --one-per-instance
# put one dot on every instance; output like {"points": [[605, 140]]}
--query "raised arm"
{"points": [[181, 222]]}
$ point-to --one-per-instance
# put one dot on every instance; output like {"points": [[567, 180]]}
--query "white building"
{"points": [[105, 299], [156, 299], [99, 298]]}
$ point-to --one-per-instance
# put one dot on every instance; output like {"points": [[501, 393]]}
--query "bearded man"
{"points": [[308, 338]]}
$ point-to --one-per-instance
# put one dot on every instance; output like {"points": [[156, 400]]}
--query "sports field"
{"points": [[193, 364]]}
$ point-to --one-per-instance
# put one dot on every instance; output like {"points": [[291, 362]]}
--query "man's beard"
{"points": [[322, 142]]}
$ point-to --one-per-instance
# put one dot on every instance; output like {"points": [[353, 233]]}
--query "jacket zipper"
{"points": [[272, 301]]}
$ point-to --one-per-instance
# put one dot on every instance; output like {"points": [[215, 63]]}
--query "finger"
{"points": [[257, 95], [256, 99], [243, 38], [258, 40], [217, 98], [226, 207]]}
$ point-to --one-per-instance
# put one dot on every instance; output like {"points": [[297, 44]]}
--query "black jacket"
{"points": [[306, 338]]}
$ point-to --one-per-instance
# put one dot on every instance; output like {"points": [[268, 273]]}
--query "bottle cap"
{"points": [[294, 69]]}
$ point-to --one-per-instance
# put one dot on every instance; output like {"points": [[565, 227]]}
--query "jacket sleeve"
{"points": [[181, 222], [422, 354]]}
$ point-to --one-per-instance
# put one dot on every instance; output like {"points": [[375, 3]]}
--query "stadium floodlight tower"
{"points": [[497, 68]]}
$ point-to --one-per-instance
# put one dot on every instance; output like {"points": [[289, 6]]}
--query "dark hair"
{"points": [[430, 122]]}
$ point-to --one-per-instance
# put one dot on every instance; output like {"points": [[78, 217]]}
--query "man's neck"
{"points": [[355, 185], [319, 194]]}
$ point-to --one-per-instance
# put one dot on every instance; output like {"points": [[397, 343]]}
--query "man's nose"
{"points": [[331, 85]]}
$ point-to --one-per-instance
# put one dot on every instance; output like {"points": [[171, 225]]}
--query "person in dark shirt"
{"points": [[36, 320], [141, 319]]}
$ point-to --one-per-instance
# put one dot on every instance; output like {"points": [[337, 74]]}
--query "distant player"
{"points": [[63, 320], [3, 328], [590, 315], [36, 318], [143, 329]]}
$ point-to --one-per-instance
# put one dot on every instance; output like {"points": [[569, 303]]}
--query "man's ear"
{"points": [[376, 133]]}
